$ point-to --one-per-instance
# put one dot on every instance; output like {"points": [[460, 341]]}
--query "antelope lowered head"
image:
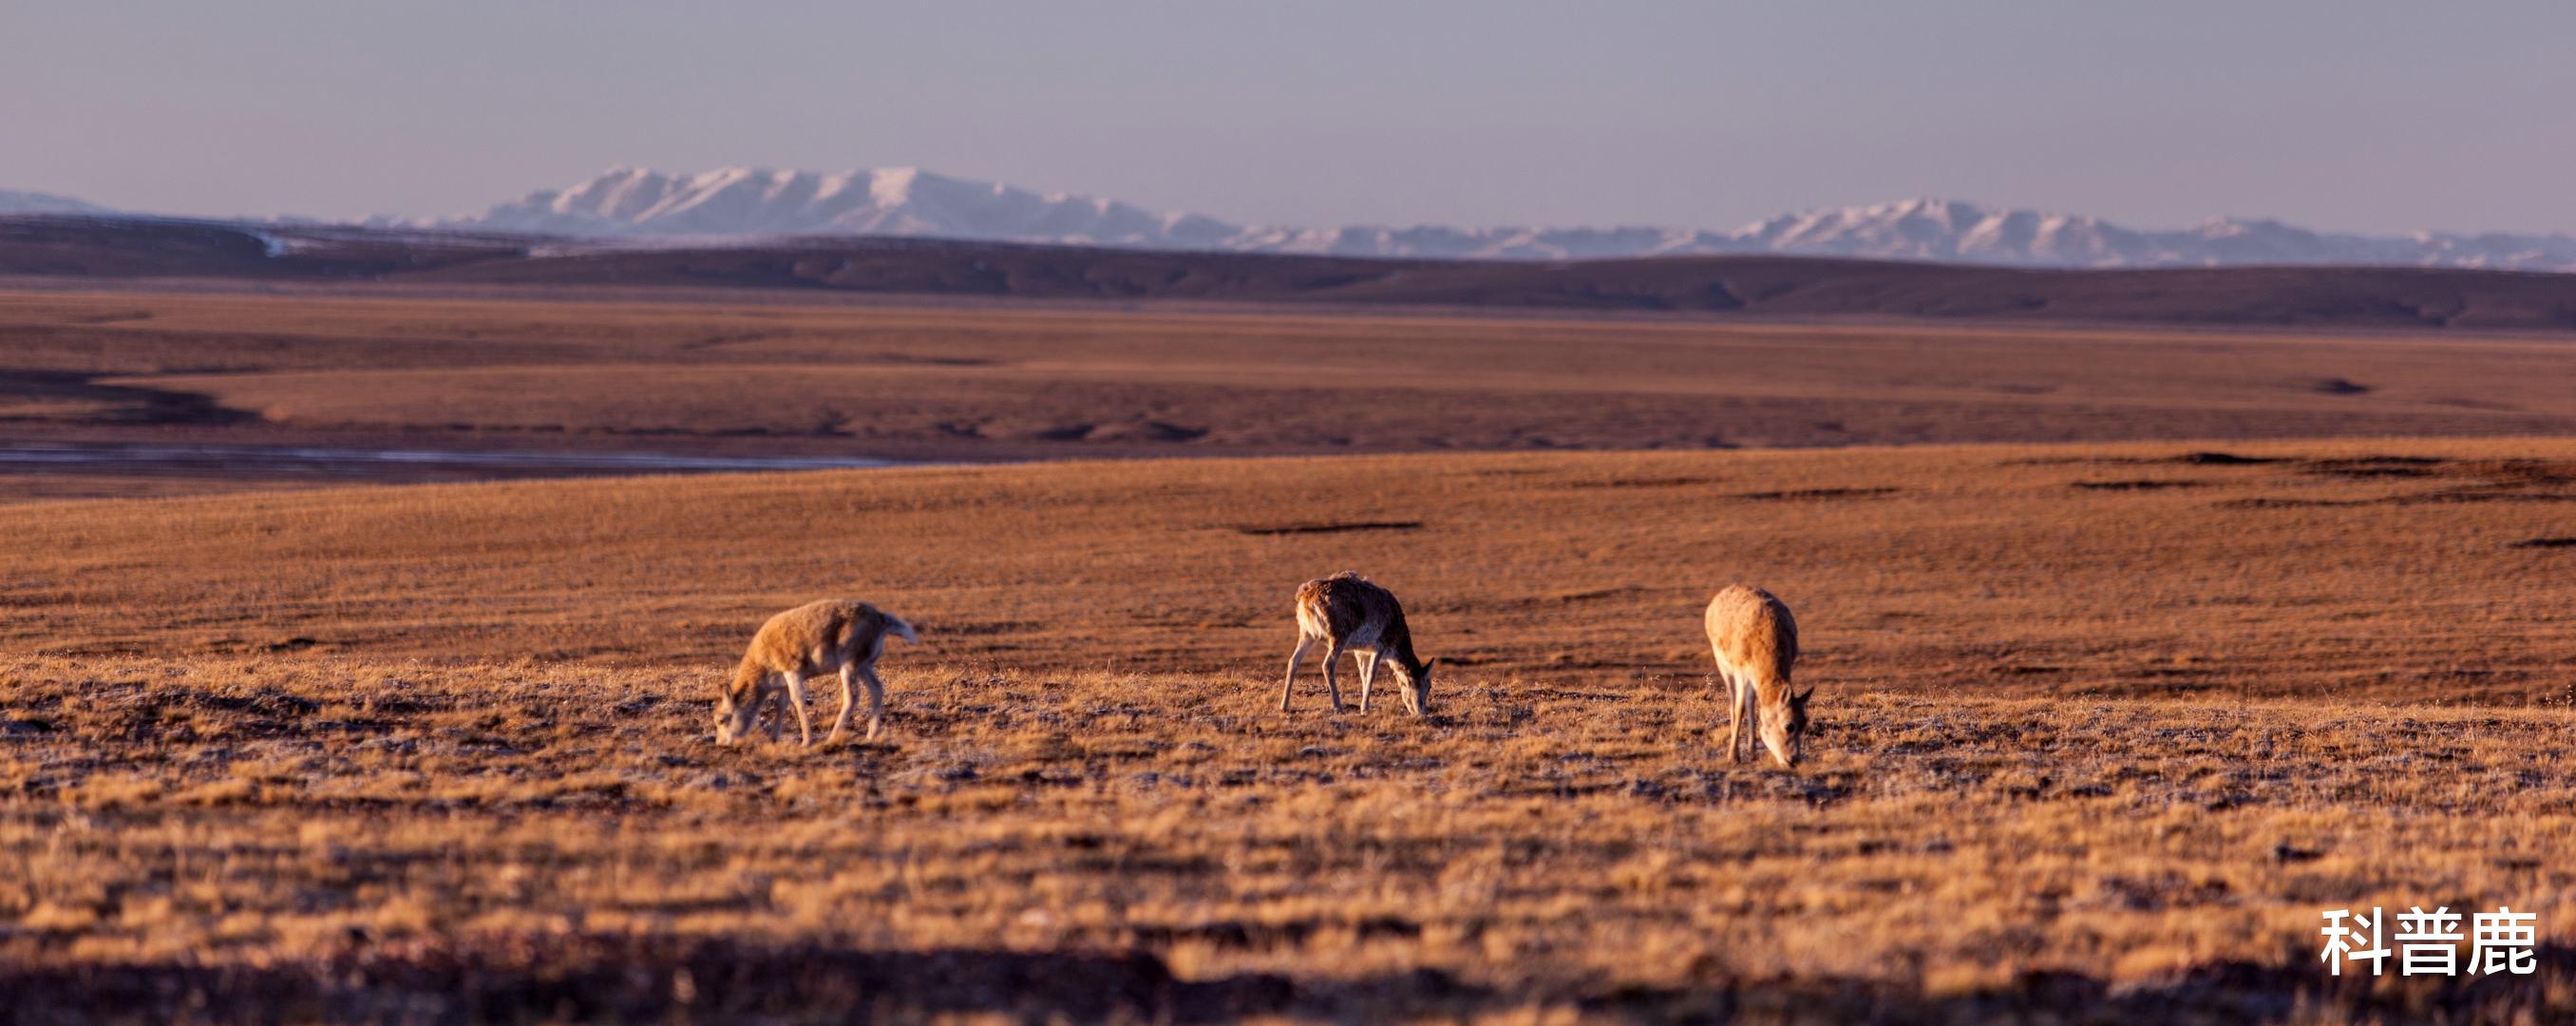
{"points": [[1417, 686], [1784, 726], [733, 716]]}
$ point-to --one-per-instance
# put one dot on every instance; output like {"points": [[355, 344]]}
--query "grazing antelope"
{"points": [[833, 635], [1756, 641], [1349, 614]]}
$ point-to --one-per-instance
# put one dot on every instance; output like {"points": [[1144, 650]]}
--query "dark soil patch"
{"points": [[1816, 494], [2374, 466], [2223, 459], [120, 404], [2135, 486], [1338, 528], [1644, 482]]}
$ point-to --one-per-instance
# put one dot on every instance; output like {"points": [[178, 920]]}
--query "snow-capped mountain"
{"points": [[14, 201], [639, 204], [633, 206], [883, 201]]}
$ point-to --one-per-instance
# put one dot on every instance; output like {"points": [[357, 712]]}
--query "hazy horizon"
{"points": [[2380, 118]]}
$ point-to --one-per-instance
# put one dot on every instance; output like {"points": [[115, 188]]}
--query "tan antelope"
{"points": [[1756, 641], [1349, 614], [811, 640]]}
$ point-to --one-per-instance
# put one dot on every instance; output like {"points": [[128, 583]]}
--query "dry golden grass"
{"points": [[559, 840], [2385, 570], [2102, 729]]}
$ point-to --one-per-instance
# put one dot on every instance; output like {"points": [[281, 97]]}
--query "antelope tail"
{"points": [[896, 626]]}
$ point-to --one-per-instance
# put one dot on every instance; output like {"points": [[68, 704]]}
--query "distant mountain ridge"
{"points": [[638, 203], [643, 207], [883, 201]]}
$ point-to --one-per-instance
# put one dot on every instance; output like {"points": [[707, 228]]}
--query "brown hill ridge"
{"points": [[1761, 286]]}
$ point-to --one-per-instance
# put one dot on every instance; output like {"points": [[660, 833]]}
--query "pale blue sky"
{"points": [[2346, 115]]}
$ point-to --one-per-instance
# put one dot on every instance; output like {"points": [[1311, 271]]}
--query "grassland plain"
{"points": [[2102, 729], [2413, 571], [990, 383]]}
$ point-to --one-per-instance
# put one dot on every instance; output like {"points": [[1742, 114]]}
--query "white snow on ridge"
{"points": [[13, 201], [885, 201], [636, 204]]}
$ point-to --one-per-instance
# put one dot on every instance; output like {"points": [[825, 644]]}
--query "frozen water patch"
{"points": [[146, 458]]}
